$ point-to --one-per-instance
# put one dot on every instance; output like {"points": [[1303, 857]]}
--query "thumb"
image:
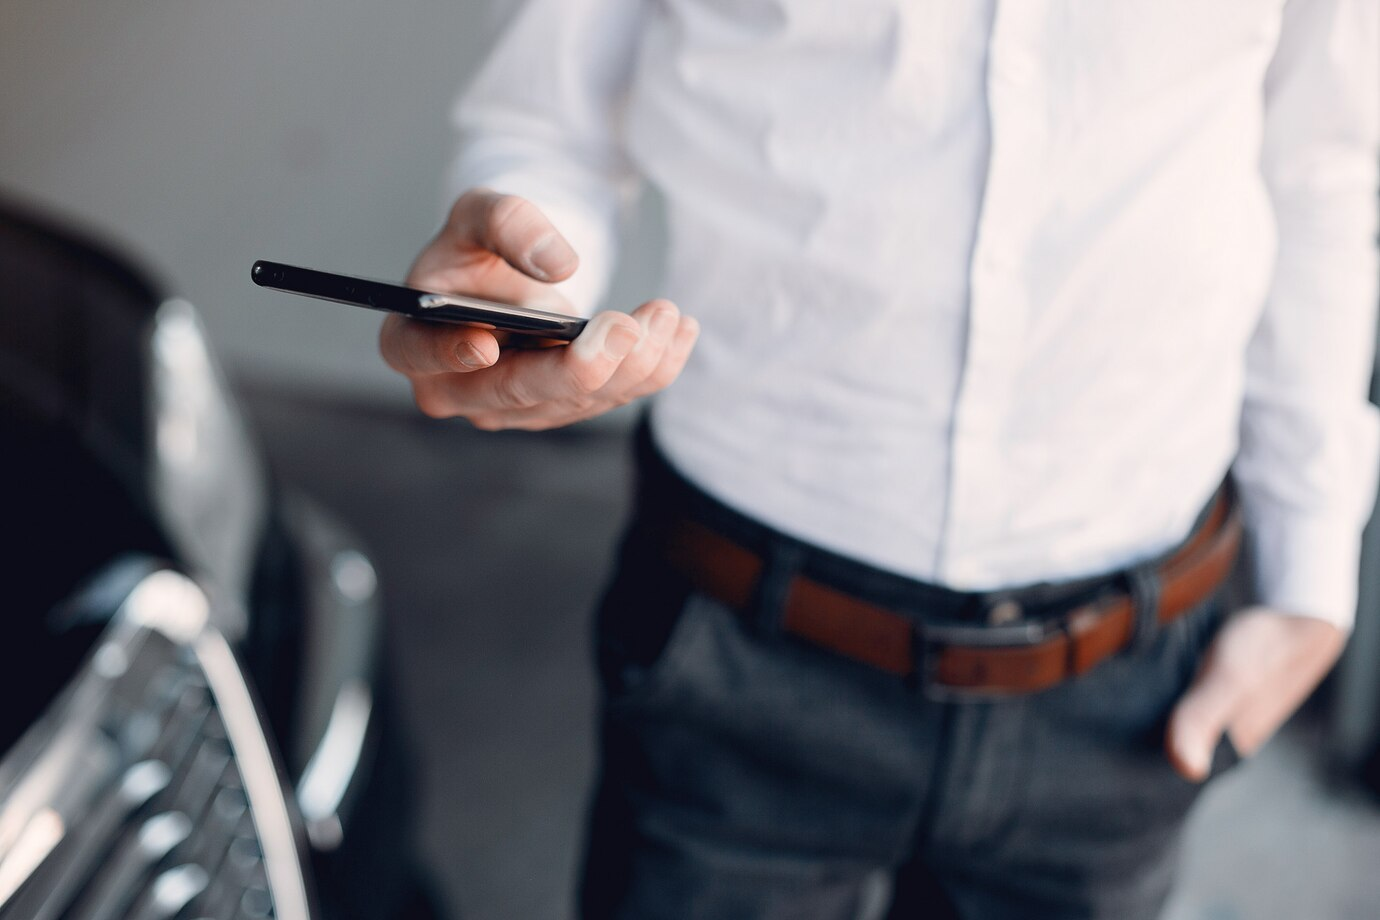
{"points": [[1198, 721]]}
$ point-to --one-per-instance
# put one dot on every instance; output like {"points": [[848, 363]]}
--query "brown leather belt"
{"points": [[1006, 658]]}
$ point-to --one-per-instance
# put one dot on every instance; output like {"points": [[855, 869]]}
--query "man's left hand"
{"points": [[1260, 668]]}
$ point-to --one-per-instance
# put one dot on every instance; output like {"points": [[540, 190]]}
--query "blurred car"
{"points": [[196, 718]]}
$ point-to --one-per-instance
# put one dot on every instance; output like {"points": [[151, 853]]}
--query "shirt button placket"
{"points": [[997, 299]]}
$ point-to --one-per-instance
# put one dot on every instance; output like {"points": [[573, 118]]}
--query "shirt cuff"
{"points": [[1304, 564]]}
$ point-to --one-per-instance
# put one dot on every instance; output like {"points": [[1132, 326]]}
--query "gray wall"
{"points": [[205, 135]]}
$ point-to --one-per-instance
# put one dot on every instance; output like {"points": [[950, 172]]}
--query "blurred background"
{"points": [[201, 136], [208, 135]]}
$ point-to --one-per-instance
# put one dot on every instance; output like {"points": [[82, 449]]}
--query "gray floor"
{"points": [[492, 549]]}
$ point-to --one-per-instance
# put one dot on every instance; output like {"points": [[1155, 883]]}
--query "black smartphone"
{"points": [[425, 305]]}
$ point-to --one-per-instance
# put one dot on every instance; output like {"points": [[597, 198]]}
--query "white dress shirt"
{"points": [[992, 293]]}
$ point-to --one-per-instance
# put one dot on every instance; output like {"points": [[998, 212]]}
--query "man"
{"points": [[924, 584]]}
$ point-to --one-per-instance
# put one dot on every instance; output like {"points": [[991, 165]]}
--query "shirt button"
{"points": [[1005, 612]]}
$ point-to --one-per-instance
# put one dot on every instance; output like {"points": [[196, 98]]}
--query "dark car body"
{"points": [[123, 458]]}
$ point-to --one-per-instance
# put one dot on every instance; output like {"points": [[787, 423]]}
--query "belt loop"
{"points": [[1144, 584], [781, 562]]}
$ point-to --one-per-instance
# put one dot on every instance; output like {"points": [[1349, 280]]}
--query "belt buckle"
{"points": [[930, 640]]}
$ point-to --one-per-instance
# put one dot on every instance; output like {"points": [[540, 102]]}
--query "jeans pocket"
{"points": [[636, 679], [1224, 757], [1196, 632]]}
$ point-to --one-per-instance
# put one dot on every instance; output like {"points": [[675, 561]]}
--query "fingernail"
{"points": [[619, 341], [551, 256], [663, 322], [470, 356]]}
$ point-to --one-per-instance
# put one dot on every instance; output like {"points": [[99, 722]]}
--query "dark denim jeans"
{"points": [[746, 774]]}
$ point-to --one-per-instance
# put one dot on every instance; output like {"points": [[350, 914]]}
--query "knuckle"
{"points": [[652, 376], [588, 376], [430, 402], [474, 193], [513, 392], [486, 421], [537, 423], [507, 212], [641, 363], [414, 350], [470, 200], [663, 377]]}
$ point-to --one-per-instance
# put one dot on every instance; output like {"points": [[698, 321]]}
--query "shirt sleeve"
{"points": [[542, 119], [1309, 438]]}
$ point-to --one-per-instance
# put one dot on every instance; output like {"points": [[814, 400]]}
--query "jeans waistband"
{"points": [[666, 495]]}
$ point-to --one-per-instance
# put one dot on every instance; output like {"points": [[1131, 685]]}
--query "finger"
{"points": [[1268, 709], [538, 383], [672, 359], [1257, 723], [658, 320], [514, 229], [419, 349], [607, 397], [435, 396], [1311, 649], [1199, 719]]}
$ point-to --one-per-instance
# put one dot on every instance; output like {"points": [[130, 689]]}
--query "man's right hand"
{"points": [[503, 248]]}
